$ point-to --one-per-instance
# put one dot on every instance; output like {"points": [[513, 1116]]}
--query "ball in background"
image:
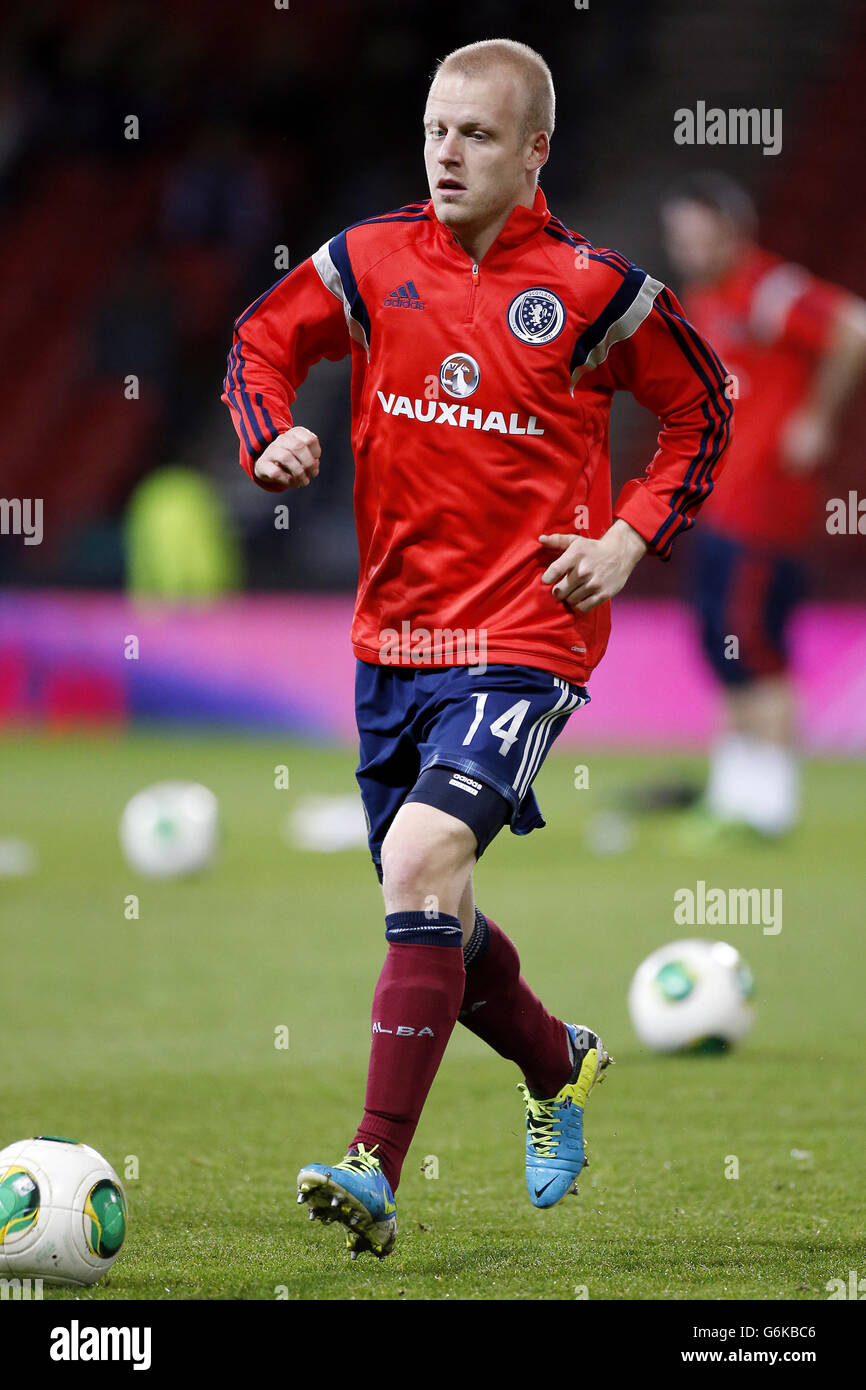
{"points": [[170, 829], [692, 995]]}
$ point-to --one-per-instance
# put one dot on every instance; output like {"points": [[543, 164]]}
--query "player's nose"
{"points": [[449, 150]]}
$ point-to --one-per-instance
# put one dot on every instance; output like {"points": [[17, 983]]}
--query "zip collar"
{"points": [[521, 224]]}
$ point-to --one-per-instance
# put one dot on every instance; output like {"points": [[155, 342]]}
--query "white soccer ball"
{"points": [[63, 1213], [692, 996], [170, 829]]}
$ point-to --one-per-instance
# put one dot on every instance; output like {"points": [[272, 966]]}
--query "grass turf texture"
{"points": [[155, 1038]]}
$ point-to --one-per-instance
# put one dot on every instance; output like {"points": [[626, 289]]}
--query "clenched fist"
{"points": [[290, 460]]}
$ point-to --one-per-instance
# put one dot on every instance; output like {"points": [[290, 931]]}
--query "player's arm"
{"points": [[276, 341], [640, 341], [809, 434]]}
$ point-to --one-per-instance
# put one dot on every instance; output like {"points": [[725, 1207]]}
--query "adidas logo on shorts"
{"points": [[465, 784]]}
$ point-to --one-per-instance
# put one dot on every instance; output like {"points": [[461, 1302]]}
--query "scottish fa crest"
{"points": [[536, 316]]}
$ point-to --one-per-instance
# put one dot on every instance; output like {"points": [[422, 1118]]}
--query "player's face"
{"points": [[477, 162], [701, 243]]}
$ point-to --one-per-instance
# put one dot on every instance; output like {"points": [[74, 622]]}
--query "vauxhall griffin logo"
{"points": [[536, 316], [460, 374]]}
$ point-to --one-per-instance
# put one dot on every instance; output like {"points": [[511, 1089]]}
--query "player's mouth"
{"points": [[450, 186]]}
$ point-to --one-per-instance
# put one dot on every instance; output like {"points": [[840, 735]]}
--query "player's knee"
{"points": [[425, 852], [414, 868]]}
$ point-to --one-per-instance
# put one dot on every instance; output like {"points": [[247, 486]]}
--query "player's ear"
{"points": [[539, 151]]}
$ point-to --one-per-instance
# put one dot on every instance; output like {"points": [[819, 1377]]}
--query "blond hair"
{"points": [[479, 59]]}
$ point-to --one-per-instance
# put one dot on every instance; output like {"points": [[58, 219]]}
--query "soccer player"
{"points": [[487, 341], [794, 346]]}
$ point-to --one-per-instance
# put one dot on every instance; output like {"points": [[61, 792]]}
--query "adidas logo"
{"points": [[404, 297], [465, 784]]}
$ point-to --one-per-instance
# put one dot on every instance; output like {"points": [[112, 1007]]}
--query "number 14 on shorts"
{"points": [[506, 727]]}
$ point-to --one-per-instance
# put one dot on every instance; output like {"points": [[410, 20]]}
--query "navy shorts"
{"points": [[745, 592], [493, 729]]}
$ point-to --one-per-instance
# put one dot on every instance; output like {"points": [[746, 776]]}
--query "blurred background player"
{"points": [[794, 347]]}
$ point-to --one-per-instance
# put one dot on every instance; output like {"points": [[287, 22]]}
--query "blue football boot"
{"points": [[554, 1128], [356, 1193]]}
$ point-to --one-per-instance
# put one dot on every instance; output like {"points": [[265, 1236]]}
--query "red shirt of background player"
{"points": [[770, 321]]}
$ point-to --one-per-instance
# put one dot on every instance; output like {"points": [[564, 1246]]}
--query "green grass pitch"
{"points": [[153, 1040]]}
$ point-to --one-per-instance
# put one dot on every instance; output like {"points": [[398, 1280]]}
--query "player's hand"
{"points": [[806, 441], [590, 572], [292, 459]]}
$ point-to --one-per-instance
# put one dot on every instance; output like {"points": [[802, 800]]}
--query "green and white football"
{"points": [[170, 829], [692, 996], [63, 1213]]}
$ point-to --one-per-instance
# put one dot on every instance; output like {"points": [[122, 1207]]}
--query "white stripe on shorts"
{"points": [[537, 738]]}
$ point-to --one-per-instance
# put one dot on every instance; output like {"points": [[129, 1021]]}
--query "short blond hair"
{"points": [[479, 59]]}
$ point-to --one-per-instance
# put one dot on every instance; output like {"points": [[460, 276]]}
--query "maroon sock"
{"points": [[500, 1008], [415, 1007]]}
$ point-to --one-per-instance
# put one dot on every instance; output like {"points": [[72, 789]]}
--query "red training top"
{"points": [[480, 404], [771, 321]]}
